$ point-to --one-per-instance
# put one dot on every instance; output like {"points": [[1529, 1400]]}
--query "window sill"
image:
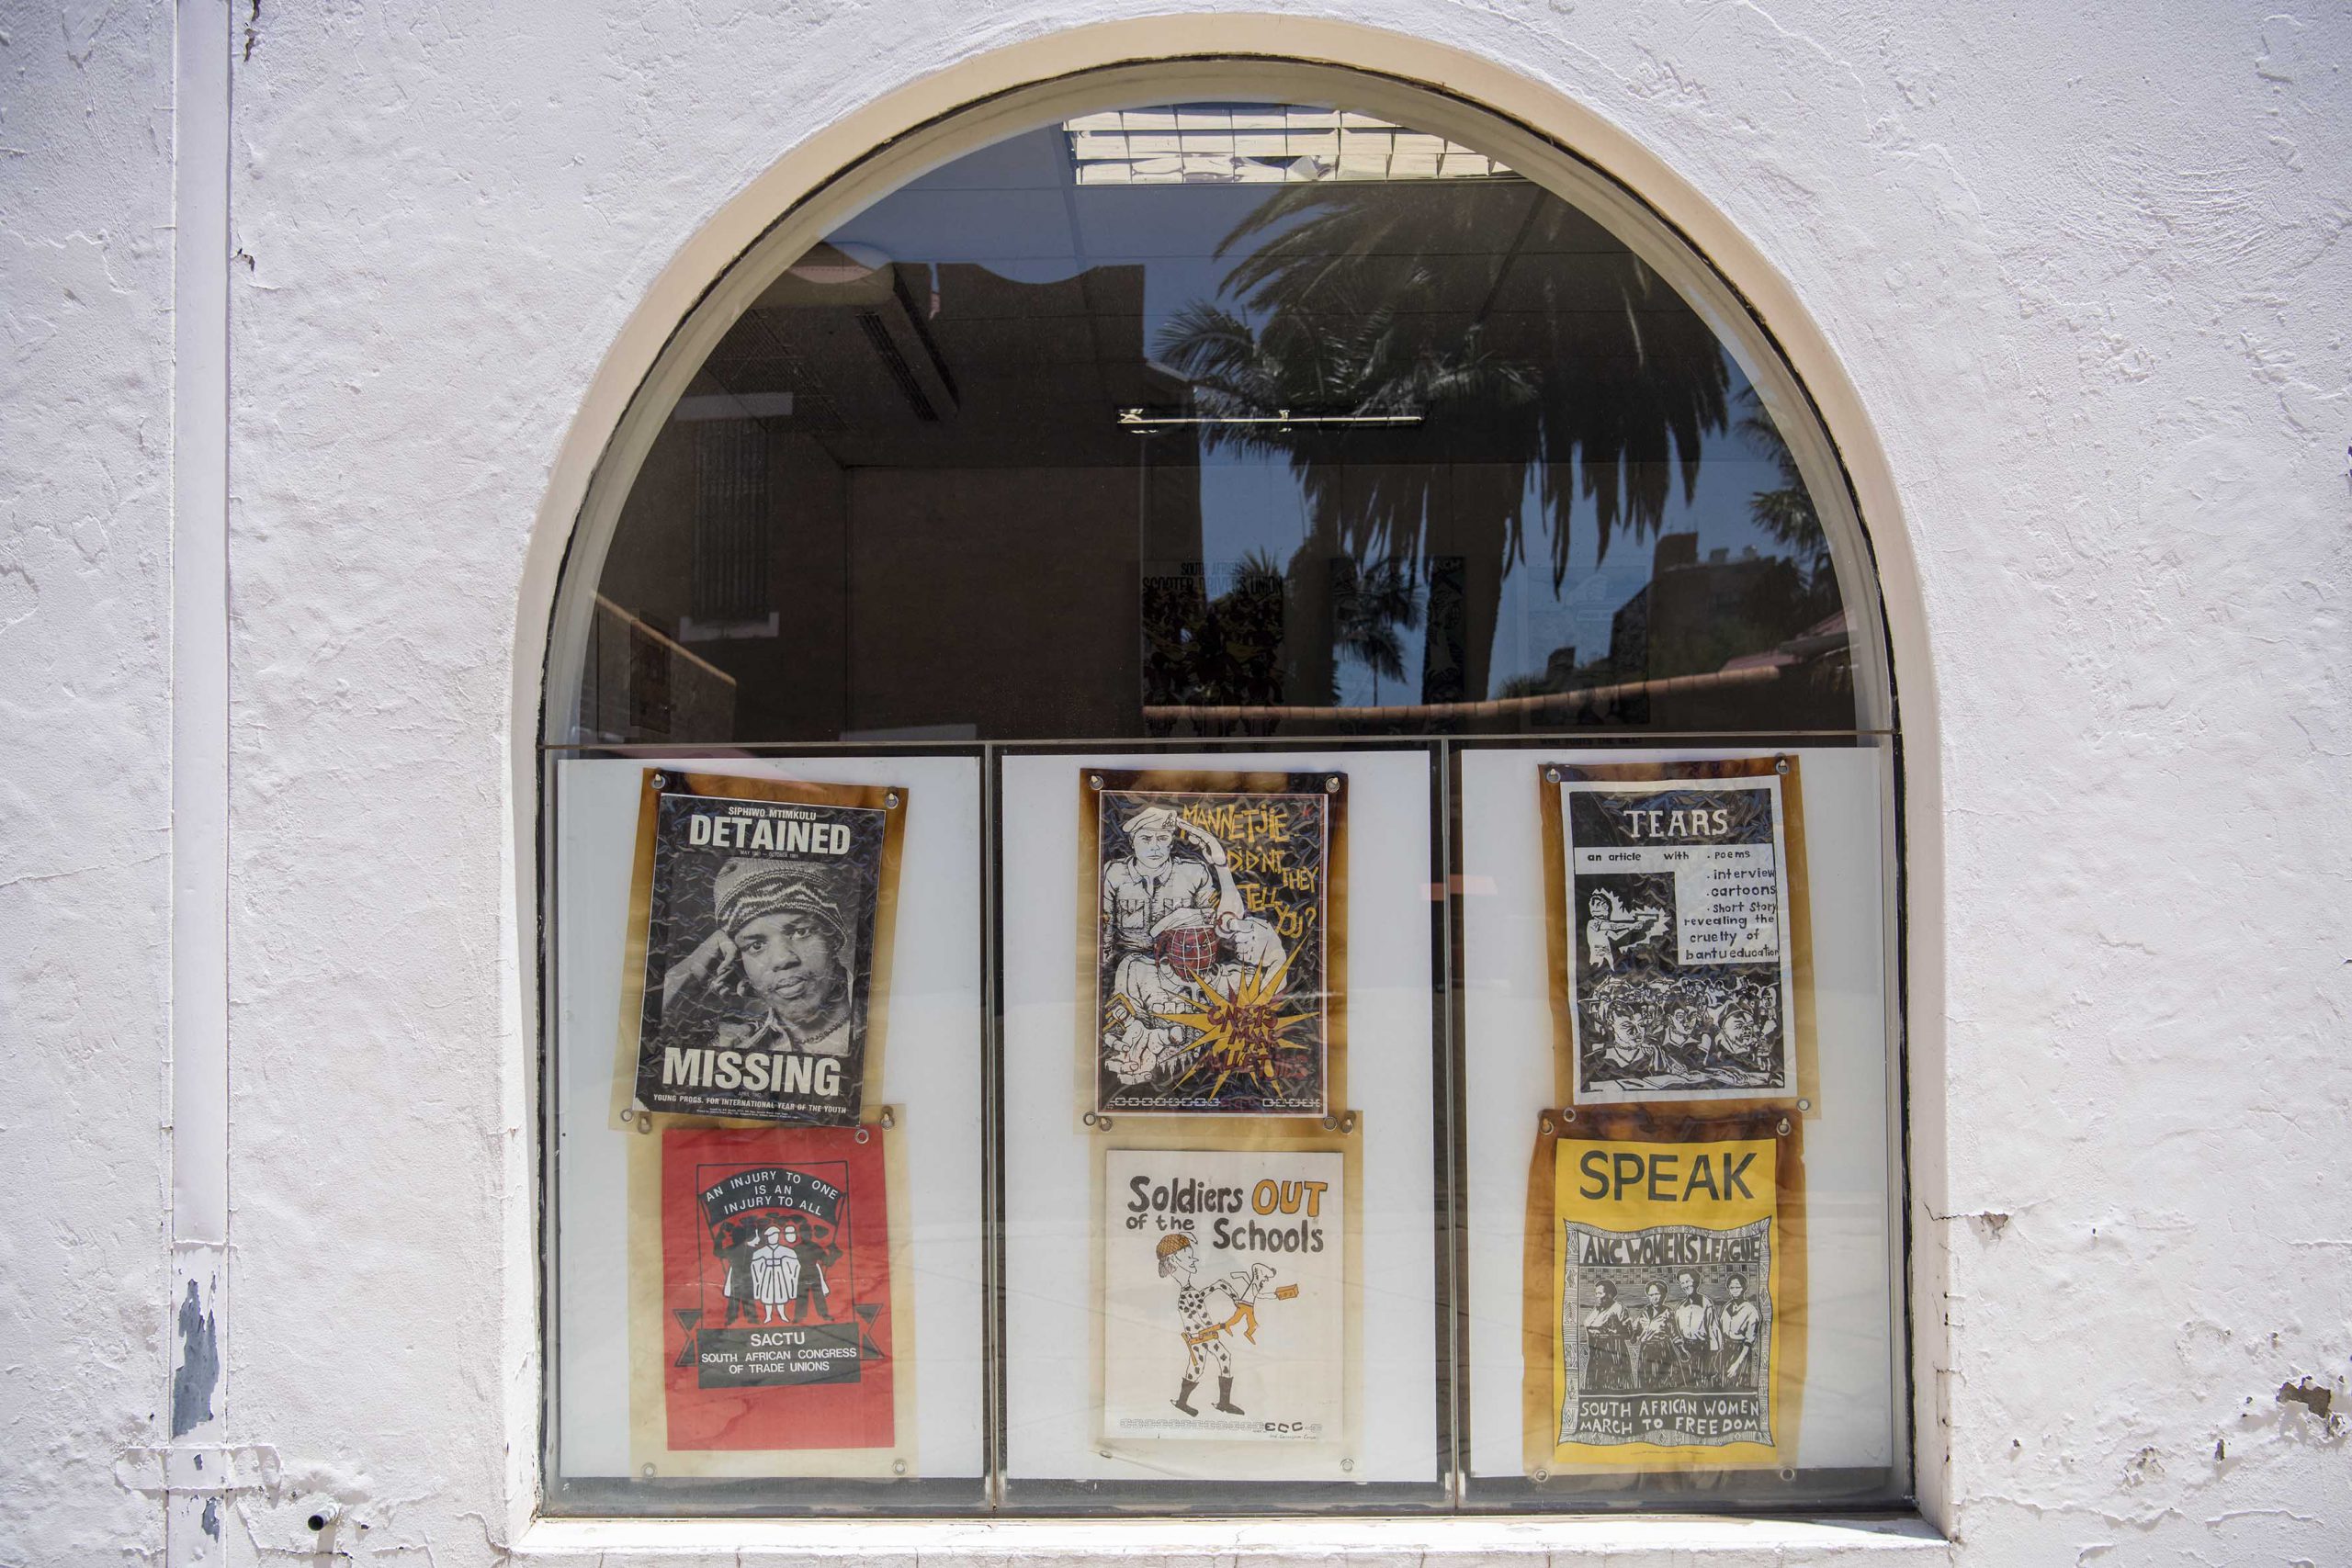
{"points": [[1431, 1543]]}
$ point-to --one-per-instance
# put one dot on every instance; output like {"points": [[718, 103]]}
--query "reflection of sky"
{"points": [[1016, 208], [1251, 502]]}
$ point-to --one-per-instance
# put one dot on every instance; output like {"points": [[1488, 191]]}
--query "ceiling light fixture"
{"points": [[1143, 419]]}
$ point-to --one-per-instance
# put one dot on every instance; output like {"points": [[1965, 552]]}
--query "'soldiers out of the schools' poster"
{"points": [[1223, 1304]]}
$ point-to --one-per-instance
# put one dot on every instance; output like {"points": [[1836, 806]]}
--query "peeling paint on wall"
{"points": [[200, 1366], [2309, 1395]]}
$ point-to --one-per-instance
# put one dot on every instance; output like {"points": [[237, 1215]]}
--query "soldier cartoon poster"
{"points": [[1224, 1296], [1211, 906], [1672, 920], [775, 1289], [1672, 1290], [764, 923]]}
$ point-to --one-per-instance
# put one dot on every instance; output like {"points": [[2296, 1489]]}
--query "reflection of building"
{"points": [[1695, 616]]}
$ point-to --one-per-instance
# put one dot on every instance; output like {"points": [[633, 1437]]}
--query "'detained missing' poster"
{"points": [[761, 934]]}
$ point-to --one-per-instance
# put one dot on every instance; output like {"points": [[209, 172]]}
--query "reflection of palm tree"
{"points": [[1786, 511], [1368, 603], [1221, 649], [1589, 371]]}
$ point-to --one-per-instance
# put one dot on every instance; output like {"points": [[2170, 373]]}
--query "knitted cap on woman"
{"points": [[748, 888]]}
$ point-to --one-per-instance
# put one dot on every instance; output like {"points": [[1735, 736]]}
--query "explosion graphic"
{"points": [[1242, 1032]]}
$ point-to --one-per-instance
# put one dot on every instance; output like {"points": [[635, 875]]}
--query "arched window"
{"points": [[1219, 758]]}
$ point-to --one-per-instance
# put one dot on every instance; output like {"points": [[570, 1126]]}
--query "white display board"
{"points": [[1050, 1210], [1846, 1417], [932, 1071]]}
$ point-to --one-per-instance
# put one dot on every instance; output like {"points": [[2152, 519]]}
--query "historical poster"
{"points": [[1224, 1296], [775, 1284], [1666, 1291], [762, 927], [1681, 980], [1212, 915]]}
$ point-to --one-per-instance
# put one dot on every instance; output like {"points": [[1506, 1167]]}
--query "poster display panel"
{"points": [[1212, 922], [760, 925], [921, 1105], [1665, 1286], [1224, 1296], [1679, 956]]}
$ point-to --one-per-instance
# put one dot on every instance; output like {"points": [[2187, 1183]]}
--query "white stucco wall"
{"points": [[2084, 271], [86, 443]]}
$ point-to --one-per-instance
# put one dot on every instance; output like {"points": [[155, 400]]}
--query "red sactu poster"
{"points": [[775, 1283]]}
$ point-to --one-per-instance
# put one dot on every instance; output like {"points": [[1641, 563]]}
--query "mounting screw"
{"points": [[1543, 1124], [891, 800], [1348, 1122], [887, 1120], [660, 780], [1103, 1123], [1552, 775], [645, 1122], [1784, 1126], [1331, 784], [1095, 781], [1781, 766]]}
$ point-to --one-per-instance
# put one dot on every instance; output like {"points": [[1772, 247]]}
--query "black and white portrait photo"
{"points": [[759, 957]]}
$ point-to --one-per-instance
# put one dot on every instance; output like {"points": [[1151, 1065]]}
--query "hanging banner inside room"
{"points": [[775, 1286], [1212, 935], [763, 911], [1671, 921], [1224, 1296], [1669, 1278]]}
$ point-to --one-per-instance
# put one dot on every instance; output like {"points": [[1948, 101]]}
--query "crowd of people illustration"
{"points": [[1647, 1026], [1680, 1339]]}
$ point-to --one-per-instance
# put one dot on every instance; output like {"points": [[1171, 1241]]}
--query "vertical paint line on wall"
{"points": [[197, 1312]]}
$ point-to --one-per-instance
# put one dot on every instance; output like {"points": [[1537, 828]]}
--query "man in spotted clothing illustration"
{"points": [[1204, 1332]]}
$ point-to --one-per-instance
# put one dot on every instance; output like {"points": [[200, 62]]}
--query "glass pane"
{"points": [[1241, 419], [1834, 1413], [663, 1296], [1235, 1309]]}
